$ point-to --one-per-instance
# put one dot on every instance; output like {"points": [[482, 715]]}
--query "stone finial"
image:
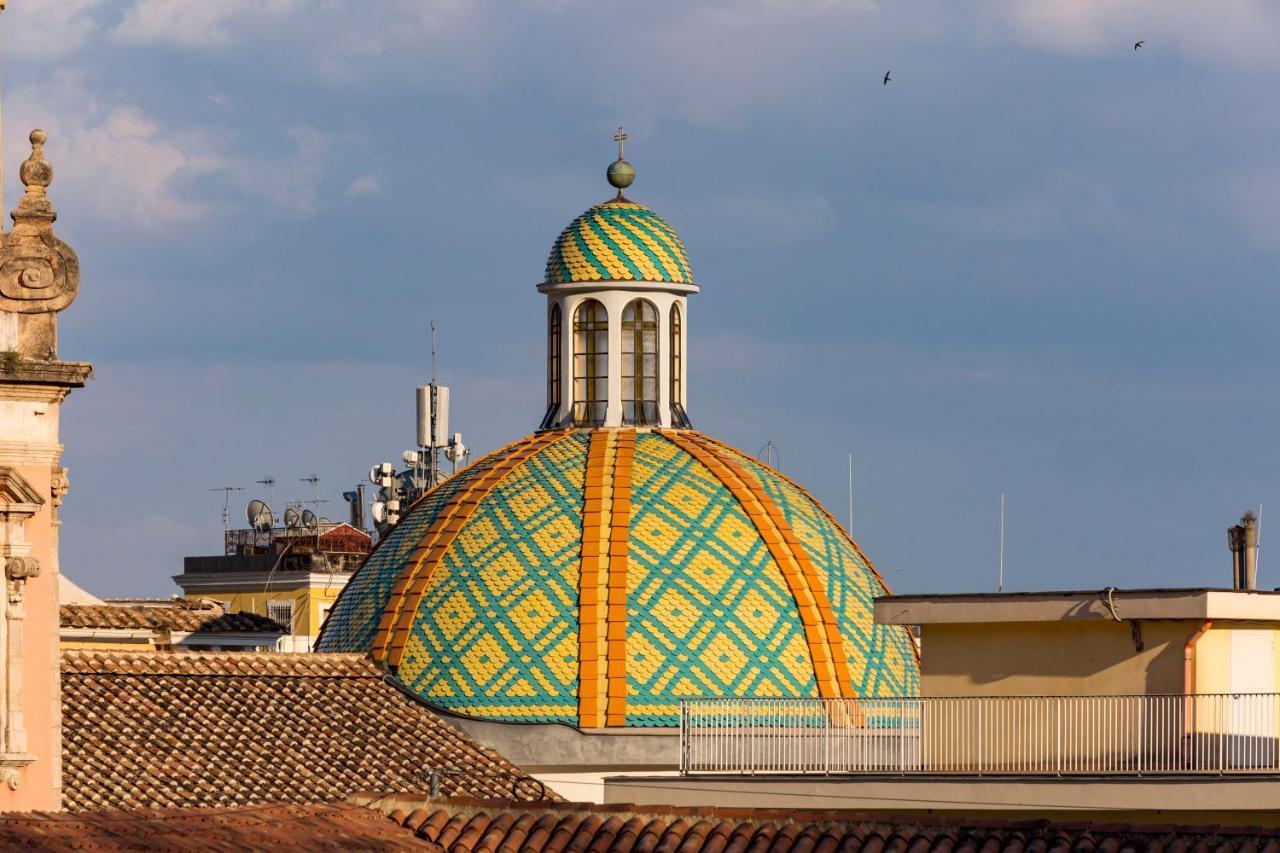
{"points": [[36, 175], [39, 273]]}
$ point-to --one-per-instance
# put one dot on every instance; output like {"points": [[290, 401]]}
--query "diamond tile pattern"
{"points": [[354, 617], [707, 610], [496, 634], [618, 240], [203, 729], [882, 658]]}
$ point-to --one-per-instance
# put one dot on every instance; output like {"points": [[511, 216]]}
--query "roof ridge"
{"points": [[223, 664], [894, 822]]}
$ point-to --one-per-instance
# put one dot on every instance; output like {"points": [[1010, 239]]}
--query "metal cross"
{"points": [[621, 138]]}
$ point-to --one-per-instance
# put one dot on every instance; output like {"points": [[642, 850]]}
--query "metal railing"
{"points": [[1022, 735]]}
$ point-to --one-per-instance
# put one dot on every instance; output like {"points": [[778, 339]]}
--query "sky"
{"points": [[1037, 263]]}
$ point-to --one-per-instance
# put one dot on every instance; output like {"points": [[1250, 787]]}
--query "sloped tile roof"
{"points": [[461, 825], [183, 729], [312, 827], [205, 618]]}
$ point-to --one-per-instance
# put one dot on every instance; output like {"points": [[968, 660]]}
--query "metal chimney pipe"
{"points": [[1249, 550], [1242, 540], [1234, 538]]}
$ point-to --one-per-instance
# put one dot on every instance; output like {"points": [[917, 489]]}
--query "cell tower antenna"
{"points": [[226, 490]]}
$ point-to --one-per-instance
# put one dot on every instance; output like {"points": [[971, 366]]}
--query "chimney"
{"points": [[1242, 540]]}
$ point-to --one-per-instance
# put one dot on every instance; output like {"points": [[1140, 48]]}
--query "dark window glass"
{"points": [[590, 364], [639, 363]]}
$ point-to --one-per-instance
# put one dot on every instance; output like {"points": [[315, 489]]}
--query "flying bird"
{"points": [[886, 78], [1138, 44]]}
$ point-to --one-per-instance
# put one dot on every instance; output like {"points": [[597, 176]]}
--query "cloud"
{"points": [[115, 161], [127, 166], [1241, 33], [183, 24], [366, 185], [52, 31]]}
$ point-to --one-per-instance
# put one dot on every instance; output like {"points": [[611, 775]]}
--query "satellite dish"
{"points": [[260, 517], [308, 519], [325, 521], [379, 510], [291, 518]]}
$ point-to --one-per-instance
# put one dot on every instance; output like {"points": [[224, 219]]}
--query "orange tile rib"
{"points": [[822, 634], [592, 663], [602, 584], [847, 534], [410, 586], [620, 534]]}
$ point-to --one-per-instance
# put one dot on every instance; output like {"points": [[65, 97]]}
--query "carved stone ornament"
{"points": [[58, 486], [39, 273]]}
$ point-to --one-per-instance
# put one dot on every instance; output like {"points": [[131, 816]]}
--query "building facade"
{"points": [[39, 277], [291, 576]]}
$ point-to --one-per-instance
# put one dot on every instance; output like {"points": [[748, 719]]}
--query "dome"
{"points": [[597, 577], [618, 240]]}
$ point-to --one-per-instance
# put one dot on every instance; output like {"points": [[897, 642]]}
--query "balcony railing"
{"points": [[1221, 733]]}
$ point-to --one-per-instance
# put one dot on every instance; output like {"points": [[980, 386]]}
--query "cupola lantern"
{"points": [[616, 283]]}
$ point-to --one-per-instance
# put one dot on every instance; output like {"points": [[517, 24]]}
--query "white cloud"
{"points": [[1240, 33], [122, 164], [366, 185], [51, 30], [186, 24]]}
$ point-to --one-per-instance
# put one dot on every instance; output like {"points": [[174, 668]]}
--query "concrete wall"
{"points": [[1053, 658], [1239, 801]]}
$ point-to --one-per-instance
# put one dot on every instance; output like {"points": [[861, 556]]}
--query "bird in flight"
{"points": [[1138, 44], [886, 78]]}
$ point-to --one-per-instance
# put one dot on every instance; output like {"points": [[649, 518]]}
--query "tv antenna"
{"points": [[315, 482], [270, 482], [226, 503], [769, 454]]}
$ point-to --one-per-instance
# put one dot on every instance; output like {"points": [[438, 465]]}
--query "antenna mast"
{"points": [[433, 477], [1000, 587], [226, 490], [270, 482], [850, 492]]}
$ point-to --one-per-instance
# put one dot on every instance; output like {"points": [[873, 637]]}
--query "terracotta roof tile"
{"points": [[148, 730], [205, 618], [336, 826], [461, 825]]}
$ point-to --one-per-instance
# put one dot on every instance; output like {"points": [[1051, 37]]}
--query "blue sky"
{"points": [[1037, 262]]}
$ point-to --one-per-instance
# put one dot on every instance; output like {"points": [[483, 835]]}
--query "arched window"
{"points": [[553, 368], [639, 363], [590, 364], [678, 416]]}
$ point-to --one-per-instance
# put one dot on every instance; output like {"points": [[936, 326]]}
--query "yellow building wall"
{"points": [[1053, 658], [1213, 656], [107, 645], [309, 603]]}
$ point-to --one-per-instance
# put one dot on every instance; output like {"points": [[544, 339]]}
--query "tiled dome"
{"points": [[618, 240], [597, 577]]}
